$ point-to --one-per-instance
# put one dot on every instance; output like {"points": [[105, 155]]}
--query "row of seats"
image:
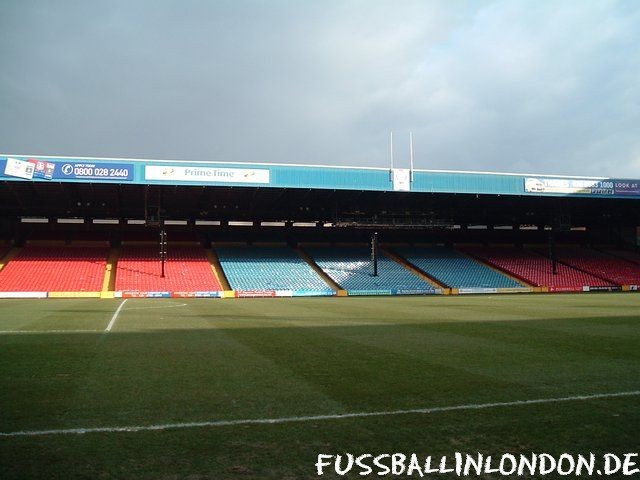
{"points": [[186, 269], [616, 270], [454, 269], [268, 268], [42, 269], [535, 268], [352, 269], [632, 257], [73, 268]]}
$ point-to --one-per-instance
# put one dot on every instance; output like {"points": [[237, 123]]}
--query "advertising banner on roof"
{"points": [[18, 168], [568, 186], [173, 173], [93, 171], [40, 169], [626, 187]]}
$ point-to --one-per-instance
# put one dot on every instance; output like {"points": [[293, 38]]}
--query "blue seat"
{"points": [[352, 269], [268, 268], [455, 269]]}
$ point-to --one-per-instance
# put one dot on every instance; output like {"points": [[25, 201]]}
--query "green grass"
{"points": [[264, 358]]}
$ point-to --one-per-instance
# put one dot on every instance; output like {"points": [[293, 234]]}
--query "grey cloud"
{"points": [[505, 86]]}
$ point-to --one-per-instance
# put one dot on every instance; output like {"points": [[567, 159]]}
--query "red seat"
{"points": [[536, 269], [187, 269], [59, 268], [617, 270]]}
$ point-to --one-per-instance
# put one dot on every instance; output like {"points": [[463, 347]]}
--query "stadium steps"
{"points": [[327, 279], [109, 281], [496, 268], [6, 258], [214, 261], [413, 268]]}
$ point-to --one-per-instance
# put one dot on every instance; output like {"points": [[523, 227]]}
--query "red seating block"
{"points": [[187, 269], [59, 268], [535, 268], [617, 270]]}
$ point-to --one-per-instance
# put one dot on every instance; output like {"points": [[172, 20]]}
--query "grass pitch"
{"points": [[176, 361]]}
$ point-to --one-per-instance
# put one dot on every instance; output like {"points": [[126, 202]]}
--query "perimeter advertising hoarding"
{"points": [[569, 186], [172, 173]]}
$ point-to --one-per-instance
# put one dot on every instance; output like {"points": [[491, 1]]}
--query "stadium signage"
{"points": [[29, 169], [568, 186], [33, 168], [93, 171], [626, 187], [580, 186], [18, 168], [254, 293], [401, 180], [206, 174], [463, 291], [369, 292], [23, 294]]}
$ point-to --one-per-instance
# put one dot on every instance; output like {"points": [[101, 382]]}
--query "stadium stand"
{"points": [[55, 268], [630, 256], [535, 268], [616, 270], [351, 268], [187, 269], [454, 269], [268, 268]]}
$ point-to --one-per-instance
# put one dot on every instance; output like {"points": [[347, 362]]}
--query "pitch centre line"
{"points": [[313, 418], [115, 316]]}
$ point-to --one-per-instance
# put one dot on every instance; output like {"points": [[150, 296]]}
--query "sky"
{"points": [[533, 86]]}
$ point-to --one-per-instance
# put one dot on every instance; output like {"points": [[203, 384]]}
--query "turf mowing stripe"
{"points": [[115, 316], [312, 418]]}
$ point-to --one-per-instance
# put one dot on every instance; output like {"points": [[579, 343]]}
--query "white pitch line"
{"points": [[115, 316], [8, 332], [312, 418]]}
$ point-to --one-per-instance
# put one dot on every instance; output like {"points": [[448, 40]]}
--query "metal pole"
{"points": [[374, 253], [552, 254], [411, 156], [391, 157], [163, 249]]}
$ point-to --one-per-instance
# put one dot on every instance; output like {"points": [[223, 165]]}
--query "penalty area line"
{"points": [[115, 316], [313, 418]]}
